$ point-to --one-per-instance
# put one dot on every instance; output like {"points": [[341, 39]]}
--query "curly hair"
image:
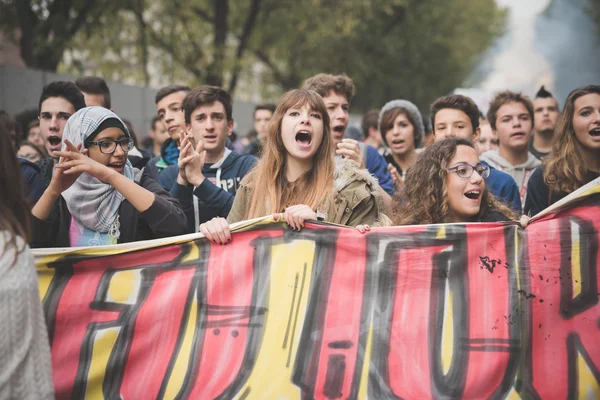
{"points": [[565, 168], [425, 198]]}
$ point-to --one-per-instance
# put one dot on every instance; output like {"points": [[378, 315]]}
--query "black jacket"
{"points": [[164, 218], [537, 192]]}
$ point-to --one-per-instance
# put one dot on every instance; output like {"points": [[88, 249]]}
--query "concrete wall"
{"points": [[20, 89]]}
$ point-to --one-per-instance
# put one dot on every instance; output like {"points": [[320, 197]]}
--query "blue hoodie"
{"points": [[377, 166], [169, 153], [215, 194], [504, 188]]}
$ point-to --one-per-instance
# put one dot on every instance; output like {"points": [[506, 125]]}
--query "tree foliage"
{"points": [[413, 49]]}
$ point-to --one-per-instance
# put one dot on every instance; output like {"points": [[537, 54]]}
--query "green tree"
{"points": [[46, 27], [412, 49]]}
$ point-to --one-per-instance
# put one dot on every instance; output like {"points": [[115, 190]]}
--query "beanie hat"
{"points": [[414, 114]]}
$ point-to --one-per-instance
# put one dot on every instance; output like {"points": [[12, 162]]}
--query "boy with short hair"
{"points": [[169, 106], [458, 116], [95, 91], [370, 130], [262, 115], [511, 118], [337, 92], [209, 174], [546, 113], [158, 134], [58, 101]]}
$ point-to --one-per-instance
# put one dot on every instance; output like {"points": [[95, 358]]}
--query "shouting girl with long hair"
{"points": [[299, 177], [575, 157]]}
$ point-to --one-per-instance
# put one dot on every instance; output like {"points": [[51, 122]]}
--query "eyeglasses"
{"points": [[109, 146], [466, 170]]}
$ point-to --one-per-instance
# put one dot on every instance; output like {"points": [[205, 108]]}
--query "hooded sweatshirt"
{"points": [[214, 197], [520, 173], [169, 153]]}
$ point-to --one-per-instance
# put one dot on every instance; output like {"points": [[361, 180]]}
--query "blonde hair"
{"points": [[565, 168], [268, 177]]}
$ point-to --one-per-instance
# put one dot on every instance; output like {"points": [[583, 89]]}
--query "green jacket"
{"points": [[355, 198]]}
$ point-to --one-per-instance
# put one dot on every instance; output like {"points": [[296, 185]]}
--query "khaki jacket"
{"points": [[356, 200]]}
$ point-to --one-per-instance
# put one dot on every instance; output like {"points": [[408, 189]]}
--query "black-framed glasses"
{"points": [[109, 146], [465, 171]]}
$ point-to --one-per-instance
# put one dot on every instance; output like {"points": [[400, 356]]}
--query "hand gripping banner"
{"points": [[461, 311]]}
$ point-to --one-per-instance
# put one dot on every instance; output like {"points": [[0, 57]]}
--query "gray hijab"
{"points": [[93, 203]]}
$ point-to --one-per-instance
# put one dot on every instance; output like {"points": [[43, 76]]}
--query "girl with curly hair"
{"points": [[575, 157], [446, 185]]}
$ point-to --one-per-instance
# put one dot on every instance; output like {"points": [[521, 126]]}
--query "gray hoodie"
{"points": [[520, 173]]}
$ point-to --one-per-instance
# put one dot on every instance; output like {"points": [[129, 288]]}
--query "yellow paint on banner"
{"points": [[123, 287], [588, 386], [575, 260], [513, 394], [182, 362], [46, 274], [194, 253], [104, 342], [45, 277], [364, 378], [291, 271], [448, 331], [441, 233]]}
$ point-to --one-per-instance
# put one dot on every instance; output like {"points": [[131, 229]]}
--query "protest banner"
{"points": [[440, 311]]}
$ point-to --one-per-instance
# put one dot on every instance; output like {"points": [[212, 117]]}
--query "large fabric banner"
{"points": [[471, 311]]}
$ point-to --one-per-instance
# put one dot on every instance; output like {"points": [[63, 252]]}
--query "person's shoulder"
{"points": [[500, 176], [247, 182], [487, 156], [537, 176], [27, 165], [372, 153], [44, 162], [351, 180], [240, 158], [153, 161]]}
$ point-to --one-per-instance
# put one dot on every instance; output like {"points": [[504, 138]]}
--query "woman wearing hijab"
{"points": [[96, 197]]}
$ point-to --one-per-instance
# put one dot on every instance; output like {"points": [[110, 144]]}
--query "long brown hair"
{"points": [[268, 176], [565, 168], [14, 213], [425, 198]]}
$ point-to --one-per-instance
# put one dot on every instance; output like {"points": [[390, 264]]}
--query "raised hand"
{"points": [[349, 148], [396, 176], [191, 161], [61, 181], [295, 216], [77, 163], [184, 149], [194, 164]]}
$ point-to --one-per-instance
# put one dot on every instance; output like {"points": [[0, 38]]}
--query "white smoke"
{"points": [[547, 42]]}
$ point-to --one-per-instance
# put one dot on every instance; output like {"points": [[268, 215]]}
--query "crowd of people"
{"points": [[74, 173]]}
